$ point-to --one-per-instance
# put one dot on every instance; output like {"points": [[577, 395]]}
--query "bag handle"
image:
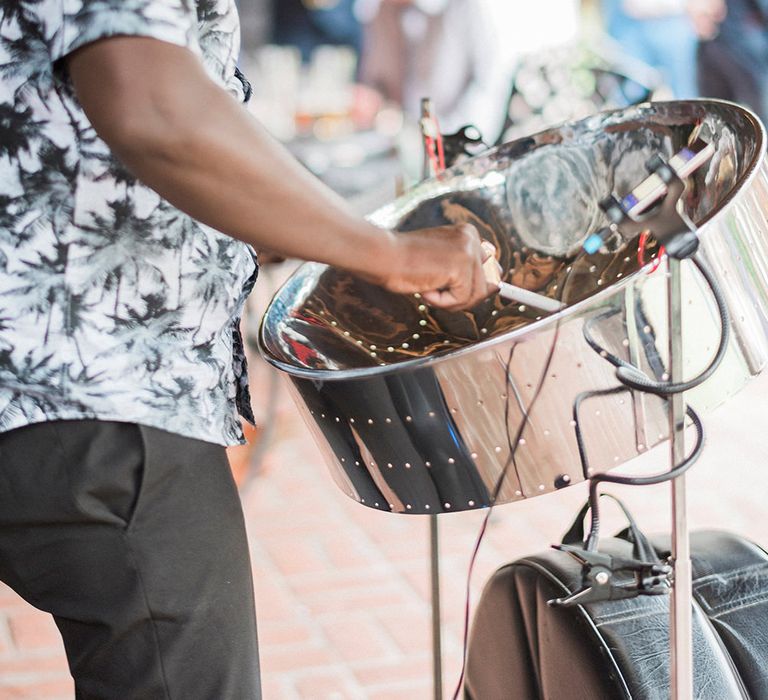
{"points": [[642, 549]]}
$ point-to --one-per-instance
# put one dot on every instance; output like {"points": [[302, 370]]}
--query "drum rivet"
{"points": [[497, 449], [373, 354], [470, 503], [521, 441], [603, 353], [646, 329], [661, 436], [427, 464], [362, 500], [417, 295], [542, 487], [422, 322], [593, 268], [447, 505], [562, 481], [322, 313], [625, 342], [343, 459], [538, 318], [451, 460], [599, 283], [408, 419], [357, 464], [376, 504], [387, 420], [521, 308], [359, 342], [572, 423], [431, 414], [518, 493], [422, 307], [601, 577], [483, 330], [426, 507], [474, 455], [479, 402], [392, 506], [373, 347], [619, 275], [405, 346], [627, 259], [616, 458], [415, 336], [665, 377], [373, 464], [370, 421], [351, 420], [389, 465], [408, 506], [446, 342], [494, 313], [546, 432], [333, 323], [390, 349], [322, 415], [407, 465], [641, 447], [622, 402]]}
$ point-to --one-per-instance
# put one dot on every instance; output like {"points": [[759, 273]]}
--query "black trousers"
{"points": [[133, 539]]}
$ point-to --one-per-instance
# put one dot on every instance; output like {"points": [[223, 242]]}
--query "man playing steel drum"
{"points": [[132, 187]]}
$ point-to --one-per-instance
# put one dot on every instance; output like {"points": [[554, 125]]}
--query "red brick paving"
{"points": [[342, 591]]}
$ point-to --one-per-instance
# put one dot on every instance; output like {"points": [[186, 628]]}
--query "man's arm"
{"points": [[185, 137]]}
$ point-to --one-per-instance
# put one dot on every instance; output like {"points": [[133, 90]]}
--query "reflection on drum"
{"points": [[416, 408]]}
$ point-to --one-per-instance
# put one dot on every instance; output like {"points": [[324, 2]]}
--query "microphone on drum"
{"points": [[510, 292], [662, 175]]}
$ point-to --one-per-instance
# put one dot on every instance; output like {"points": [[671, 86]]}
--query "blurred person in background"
{"points": [[452, 51], [134, 187], [733, 54], [308, 24], [661, 34]]}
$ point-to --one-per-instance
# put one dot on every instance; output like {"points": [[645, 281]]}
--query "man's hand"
{"points": [[444, 264]]}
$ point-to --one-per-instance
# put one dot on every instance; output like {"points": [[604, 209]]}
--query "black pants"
{"points": [[133, 539]]}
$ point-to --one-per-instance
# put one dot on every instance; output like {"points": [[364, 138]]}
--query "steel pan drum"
{"points": [[413, 406]]}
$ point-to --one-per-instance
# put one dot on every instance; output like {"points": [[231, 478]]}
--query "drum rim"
{"points": [[537, 326]]}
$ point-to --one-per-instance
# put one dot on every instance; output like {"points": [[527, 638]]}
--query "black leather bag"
{"points": [[522, 648]]}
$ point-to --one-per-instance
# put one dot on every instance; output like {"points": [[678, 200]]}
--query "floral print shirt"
{"points": [[114, 305]]}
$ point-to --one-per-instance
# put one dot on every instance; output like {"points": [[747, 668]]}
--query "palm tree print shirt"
{"points": [[114, 305]]}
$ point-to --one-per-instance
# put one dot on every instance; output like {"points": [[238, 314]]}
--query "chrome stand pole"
{"points": [[437, 651], [680, 631]]}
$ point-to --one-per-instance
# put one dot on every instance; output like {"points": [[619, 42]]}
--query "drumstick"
{"points": [[510, 292]]}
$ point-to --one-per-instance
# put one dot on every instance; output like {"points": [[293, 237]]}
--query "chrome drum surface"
{"points": [[413, 406]]}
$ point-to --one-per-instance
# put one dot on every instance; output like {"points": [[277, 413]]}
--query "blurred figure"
{"points": [[452, 51], [308, 24], [733, 54], [661, 34]]}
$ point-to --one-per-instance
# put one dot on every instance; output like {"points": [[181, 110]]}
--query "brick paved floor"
{"points": [[343, 591]]}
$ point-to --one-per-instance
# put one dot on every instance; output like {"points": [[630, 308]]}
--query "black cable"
{"points": [[635, 378]]}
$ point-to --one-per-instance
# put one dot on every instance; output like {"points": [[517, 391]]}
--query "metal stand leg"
{"points": [[681, 643], [437, 651]]}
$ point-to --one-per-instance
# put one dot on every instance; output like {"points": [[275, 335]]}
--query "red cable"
{"points": [[641, 252]]}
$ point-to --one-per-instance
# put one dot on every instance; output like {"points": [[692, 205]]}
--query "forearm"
{"points": [[236, 179]]}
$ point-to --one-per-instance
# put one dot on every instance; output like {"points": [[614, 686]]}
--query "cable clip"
{"points": [[606, 577]]}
